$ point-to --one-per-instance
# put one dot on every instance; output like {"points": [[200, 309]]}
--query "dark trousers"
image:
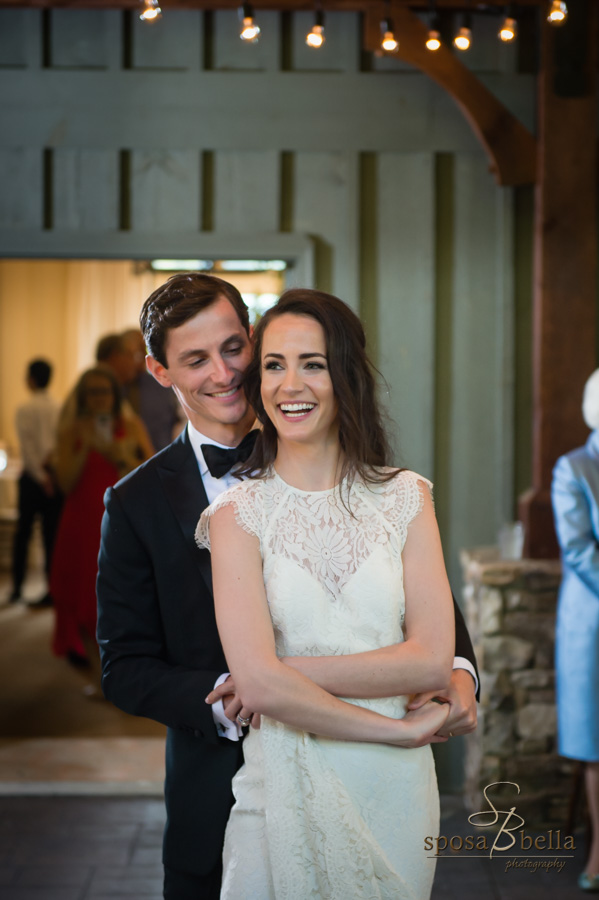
{"points": [[33, 501], [185, 886]]}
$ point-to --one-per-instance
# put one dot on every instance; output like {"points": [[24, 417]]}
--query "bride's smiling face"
{"points": [[296, 387]]}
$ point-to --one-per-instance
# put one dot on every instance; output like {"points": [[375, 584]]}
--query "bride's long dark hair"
{"points": [[362, 436]]}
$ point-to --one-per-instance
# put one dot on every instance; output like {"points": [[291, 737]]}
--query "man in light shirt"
{"points": [[36, 423], [161, 654]]}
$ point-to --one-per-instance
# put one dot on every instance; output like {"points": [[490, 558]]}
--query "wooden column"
{"points": [[565, 264]]}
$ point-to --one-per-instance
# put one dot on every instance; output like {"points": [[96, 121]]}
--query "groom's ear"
{"points": [[159, 372]]}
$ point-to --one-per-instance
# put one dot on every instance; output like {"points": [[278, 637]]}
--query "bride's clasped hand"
{"points": [[421, 725]]}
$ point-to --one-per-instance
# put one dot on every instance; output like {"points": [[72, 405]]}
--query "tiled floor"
{"points": [[82, 848], [77, 848]]}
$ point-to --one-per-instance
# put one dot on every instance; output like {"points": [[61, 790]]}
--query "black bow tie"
{"points": [[221, 460]]}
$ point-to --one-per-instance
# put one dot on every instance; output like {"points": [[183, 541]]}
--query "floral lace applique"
{"points": [[316, 530]]}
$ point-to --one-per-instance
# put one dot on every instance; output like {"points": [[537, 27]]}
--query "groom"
{"points": [[161, 655]]}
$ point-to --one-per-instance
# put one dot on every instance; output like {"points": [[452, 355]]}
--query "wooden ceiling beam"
{"points": [[281, 5]]}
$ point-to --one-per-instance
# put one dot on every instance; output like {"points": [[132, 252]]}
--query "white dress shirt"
{"points": [[214, 487], [36, 423]]}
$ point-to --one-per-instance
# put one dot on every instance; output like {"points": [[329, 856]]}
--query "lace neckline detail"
{"points": [[316, 530], [285, 484]]}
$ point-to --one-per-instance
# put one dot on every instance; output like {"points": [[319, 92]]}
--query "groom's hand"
{"points": [[232, 704], [226, 692], [222, 692], [461, 695]]}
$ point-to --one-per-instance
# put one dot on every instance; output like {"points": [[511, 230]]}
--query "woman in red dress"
{"points": [[97, 448]]}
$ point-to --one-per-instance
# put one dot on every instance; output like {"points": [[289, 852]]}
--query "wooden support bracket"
{"points": [[511, 148]]}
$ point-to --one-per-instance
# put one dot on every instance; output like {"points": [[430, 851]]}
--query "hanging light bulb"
{"points": [[558, 12], [509, 27], [250, 32], [151, 11], [388, 41], [508, 30], [315, 38], [433, 39], [463, 38]]}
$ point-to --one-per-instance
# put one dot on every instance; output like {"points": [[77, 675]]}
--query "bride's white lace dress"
{"points": [[314, 817]]}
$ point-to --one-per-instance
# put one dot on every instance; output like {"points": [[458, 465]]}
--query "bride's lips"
{"points": [[296, 412]]}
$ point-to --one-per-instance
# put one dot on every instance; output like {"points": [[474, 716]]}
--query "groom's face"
{"points": [[206, 358]]}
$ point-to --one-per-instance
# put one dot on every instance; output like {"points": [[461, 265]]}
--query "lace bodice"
{"points": [[333, 539], [329, 532]]}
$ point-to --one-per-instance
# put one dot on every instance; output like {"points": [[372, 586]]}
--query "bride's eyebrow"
{"points": [[301, 356]]}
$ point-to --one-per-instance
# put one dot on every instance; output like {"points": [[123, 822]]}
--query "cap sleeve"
{"points": [[406, 499], [245, 498], [417, 488]]}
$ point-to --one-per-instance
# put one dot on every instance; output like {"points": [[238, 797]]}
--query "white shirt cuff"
{"points": [[460, 662], [225, 727]]}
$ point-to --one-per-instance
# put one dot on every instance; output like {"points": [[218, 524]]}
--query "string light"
{"points": [[433, 40], [558, 12], [388, 41], [463, 38], [508, 30], [250, 32], [151, 11], [315, 38]]}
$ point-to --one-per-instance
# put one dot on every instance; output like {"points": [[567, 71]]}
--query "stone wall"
{"points": [[510, 611]]}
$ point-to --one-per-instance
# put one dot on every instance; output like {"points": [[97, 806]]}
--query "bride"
{"points": [[328, 580]]}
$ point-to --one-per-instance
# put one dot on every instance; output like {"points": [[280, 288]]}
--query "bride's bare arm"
{"points": [[266, 685], [423, 661]]}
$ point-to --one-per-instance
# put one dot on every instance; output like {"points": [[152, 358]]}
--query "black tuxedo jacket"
{"points": [[159, 644]]}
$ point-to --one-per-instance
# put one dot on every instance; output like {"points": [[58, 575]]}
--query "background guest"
{"points": [[157, 406], [575, 497], [96, 449], [115, 356], [113, 351], [36, 431]]}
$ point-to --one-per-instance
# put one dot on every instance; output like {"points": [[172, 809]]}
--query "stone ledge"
{"points": [[483, 565]]}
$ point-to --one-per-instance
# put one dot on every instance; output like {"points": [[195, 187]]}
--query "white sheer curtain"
{"points": [[57, 309]]}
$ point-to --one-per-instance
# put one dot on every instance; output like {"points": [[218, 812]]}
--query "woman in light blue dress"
{"points": [[575, 497]]}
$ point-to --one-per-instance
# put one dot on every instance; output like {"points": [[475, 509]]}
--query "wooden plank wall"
{"points": [[118, 134]]}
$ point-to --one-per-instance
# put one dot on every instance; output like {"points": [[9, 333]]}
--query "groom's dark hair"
{"points": [[362, 435], [179, 299]]}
